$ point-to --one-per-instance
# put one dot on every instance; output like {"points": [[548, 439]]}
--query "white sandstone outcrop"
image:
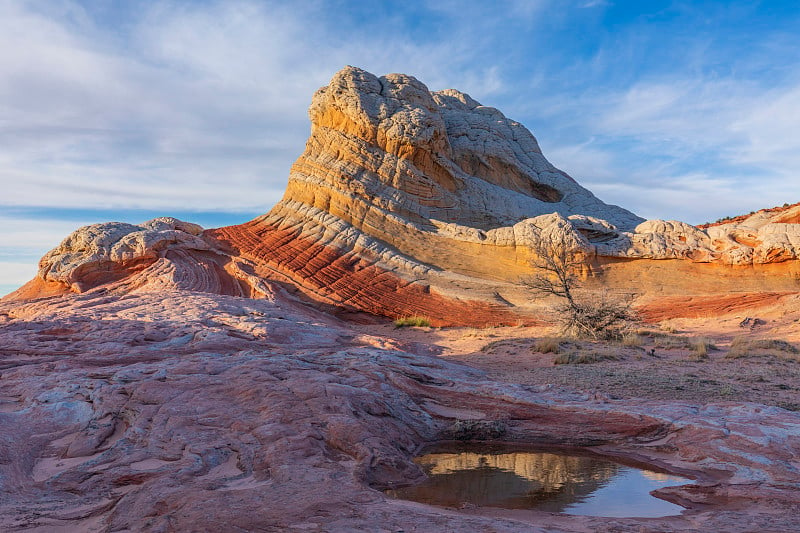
{"points": [[112, 246]]}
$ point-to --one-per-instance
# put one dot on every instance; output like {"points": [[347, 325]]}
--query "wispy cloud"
{"points": [[723, 146], [594, 3], [679, 123], [184, 106], [164, 106], [198, 104]]}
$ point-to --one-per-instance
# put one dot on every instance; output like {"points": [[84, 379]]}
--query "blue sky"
{"points": [[129, 110]]}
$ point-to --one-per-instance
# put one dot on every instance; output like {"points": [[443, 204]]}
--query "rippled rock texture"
{"points": [[178, 410]]}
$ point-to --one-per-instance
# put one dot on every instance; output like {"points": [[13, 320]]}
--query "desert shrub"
{"points": [[573, 358], [557, 260], [548, 345], [598, 316], [747, 347], [412, 321]]}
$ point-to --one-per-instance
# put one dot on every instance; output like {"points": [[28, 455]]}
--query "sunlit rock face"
{"points": [[422, 198], [389, 148], [104, 252], [762, 238], [410, 202]]}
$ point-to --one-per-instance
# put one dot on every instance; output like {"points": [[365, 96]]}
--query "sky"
{"points": [[109, 110]]}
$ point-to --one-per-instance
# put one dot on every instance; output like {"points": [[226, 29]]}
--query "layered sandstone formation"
{"points": [[161, 377], [410, 202]]}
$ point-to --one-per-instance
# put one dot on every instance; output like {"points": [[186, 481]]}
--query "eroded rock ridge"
{"points": [[411, 202]]}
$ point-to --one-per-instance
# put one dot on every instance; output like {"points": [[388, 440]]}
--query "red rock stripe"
{"points": [[331, 275]]}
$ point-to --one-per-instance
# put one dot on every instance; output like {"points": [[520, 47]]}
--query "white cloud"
{"points": [[27, 236], [769, 126], [15, 274], [583, 160], [691, 149], [190, 106], [87, 126], [197, 105]]}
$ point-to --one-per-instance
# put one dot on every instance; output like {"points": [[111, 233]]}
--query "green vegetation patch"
{"points": [[412, 322]]}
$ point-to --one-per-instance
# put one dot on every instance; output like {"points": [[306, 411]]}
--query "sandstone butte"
{"points": [[163, 377]]}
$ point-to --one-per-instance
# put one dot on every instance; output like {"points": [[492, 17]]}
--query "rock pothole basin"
{"points": [[550, 480]]}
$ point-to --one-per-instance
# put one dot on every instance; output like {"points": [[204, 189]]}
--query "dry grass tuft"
{"points": [[572, 358], [632, 340], [668, 327], [548, 345], [747, 347], [492, 346], [669, 342], [700, 346], [651, 333]]}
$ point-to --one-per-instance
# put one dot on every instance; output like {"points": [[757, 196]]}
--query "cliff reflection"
{"points": [[546, 481]]}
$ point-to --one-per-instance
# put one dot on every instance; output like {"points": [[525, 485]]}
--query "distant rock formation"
{"points": [[410, 202]]}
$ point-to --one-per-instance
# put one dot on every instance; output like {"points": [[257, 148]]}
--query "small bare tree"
{"points": [[558, 258], [555, 264]]}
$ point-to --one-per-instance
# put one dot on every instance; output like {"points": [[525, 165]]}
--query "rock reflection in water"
{"points": [[546, 481]]}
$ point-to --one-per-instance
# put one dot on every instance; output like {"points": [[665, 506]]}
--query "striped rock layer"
{"points": [[410, 202]]}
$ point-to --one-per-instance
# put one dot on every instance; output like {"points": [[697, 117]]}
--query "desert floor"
{"points": [[658, 361]]}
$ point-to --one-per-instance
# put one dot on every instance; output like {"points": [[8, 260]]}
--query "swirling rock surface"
{"points": [[171, 410]]}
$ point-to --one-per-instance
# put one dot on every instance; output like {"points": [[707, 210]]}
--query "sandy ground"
{"points": [[674, 371]]}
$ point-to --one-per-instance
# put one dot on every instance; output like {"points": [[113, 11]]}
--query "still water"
{"points": [[552, 481]]}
